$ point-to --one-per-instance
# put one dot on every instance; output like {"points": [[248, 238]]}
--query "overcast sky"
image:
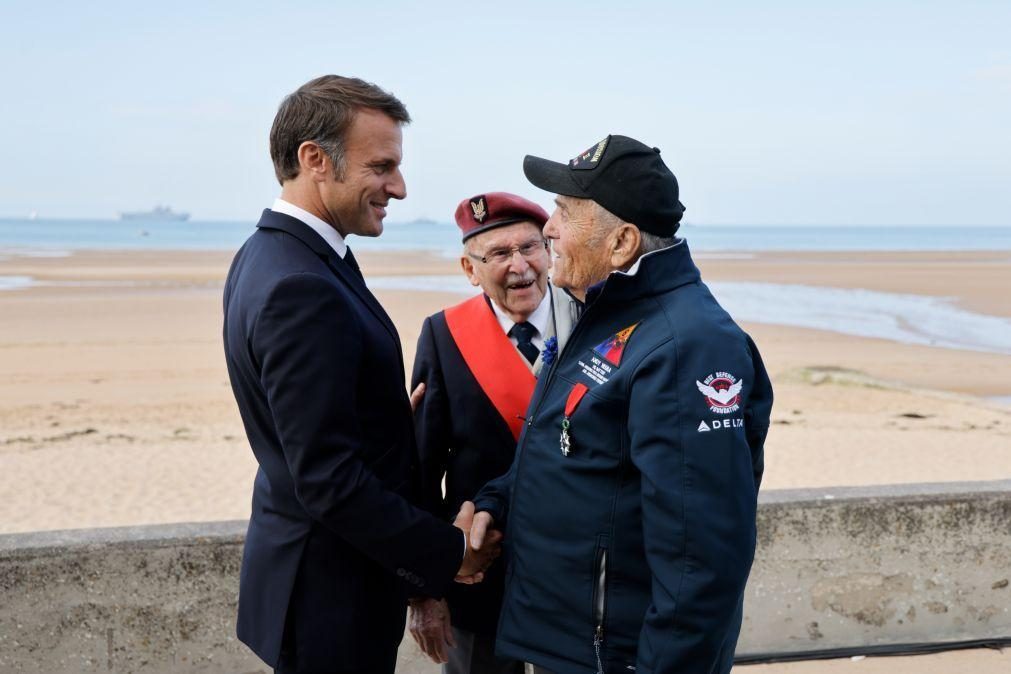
{"points": [[768, 113]]}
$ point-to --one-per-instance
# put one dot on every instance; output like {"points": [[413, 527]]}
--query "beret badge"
{"points": [[480, 209]]}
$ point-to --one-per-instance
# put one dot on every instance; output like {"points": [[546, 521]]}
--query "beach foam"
{"points": [[39, 253], [15, 282], [23, 282], [909, 319]]}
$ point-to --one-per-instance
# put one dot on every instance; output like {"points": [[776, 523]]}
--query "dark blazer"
{"points": [[333, 543], [462, 436]]}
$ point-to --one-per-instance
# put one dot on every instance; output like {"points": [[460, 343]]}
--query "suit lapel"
{"points": [[357, 284], [566, 313], [563, 316], [549, 332], [304, 233]]}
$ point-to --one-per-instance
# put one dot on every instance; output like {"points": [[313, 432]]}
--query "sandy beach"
{"points": [[115, 407]]}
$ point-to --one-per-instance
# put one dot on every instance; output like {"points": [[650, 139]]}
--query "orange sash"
{"points": [[499, 368]]}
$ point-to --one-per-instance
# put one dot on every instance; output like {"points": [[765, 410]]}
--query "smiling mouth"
{"points": [[520, 286], [379, 207]]}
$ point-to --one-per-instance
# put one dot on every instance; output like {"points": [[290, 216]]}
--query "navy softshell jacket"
{"points": [[633, 550]]}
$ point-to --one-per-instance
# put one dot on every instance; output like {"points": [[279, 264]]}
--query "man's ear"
{"points": [[625, 247], [468, 270], [313, 161]]}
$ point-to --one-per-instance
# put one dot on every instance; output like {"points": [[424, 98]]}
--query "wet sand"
{"points": [[115, 407]]}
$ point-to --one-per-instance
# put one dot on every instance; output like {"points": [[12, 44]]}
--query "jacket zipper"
{"points": [[599, 606], [599, 598]]}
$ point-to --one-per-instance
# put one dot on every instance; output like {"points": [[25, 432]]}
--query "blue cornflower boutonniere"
{"points": [[550, 351]]}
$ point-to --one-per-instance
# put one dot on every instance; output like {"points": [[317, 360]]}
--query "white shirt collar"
{"points": [[539, 319], [634, 269], [329, 234]]}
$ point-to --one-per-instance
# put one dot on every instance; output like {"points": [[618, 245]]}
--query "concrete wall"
{"points": [[880, 566], [837, 568], [137, 599]]}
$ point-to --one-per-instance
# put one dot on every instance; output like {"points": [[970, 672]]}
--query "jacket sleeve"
{"points": [[757, 414], [308, 344], [494, 496], [698, 508], [431, 423]]}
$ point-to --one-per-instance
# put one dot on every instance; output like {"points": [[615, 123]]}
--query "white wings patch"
{"points": [[722, 397]]}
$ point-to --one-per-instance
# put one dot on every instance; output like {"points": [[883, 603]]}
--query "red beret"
{"points": [[496, 209]]}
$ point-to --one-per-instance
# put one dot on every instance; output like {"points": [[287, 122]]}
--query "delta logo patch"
{"points": [[719, 424], [591, 158], [613, 348], [722, 392]]}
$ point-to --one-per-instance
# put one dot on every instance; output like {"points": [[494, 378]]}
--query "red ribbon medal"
{"points": [[571, 403]]}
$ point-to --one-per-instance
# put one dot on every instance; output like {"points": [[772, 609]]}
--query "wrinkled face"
{"points": [[517, 283], [372, 151], [578, 242]]}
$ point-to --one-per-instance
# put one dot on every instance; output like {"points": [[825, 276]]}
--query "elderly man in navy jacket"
{"points": [[334, 545], [629, 509]]}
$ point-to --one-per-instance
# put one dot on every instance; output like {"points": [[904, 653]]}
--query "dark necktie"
{"points": [[524, 334], [349, 258]]}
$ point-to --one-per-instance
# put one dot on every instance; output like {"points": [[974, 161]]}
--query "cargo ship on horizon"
{"points": [[157, 213]]}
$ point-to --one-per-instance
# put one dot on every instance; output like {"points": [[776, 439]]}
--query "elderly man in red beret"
{"points": [[479, 361]]}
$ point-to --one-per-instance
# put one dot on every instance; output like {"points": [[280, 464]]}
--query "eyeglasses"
{"points": [[502, 256]]}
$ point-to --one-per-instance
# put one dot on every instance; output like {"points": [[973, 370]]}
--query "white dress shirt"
{"points": [[539, 319], [329, 234]]}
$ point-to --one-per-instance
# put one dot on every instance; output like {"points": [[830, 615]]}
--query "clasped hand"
{"points": [[430, 623], [484, 544]]}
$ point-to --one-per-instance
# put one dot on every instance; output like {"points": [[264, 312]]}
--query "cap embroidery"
{"points": [[591, 158], [479, 207]]}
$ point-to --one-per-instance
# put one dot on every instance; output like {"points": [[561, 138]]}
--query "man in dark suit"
{"points": [[334, 545], [479, 360]]}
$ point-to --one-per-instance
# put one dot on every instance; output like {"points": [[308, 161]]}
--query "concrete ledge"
{"points": [[134, 599], [857, 567], [846, 569]]}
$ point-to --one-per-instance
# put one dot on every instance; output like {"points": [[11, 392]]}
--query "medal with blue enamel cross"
{"points": [[575, 396]]}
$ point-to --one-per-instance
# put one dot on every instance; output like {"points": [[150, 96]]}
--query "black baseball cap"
{"points": [[621, 174]]}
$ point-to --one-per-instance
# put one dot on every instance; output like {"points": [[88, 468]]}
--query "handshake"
{"points": [[430, 621], [484, 544]]}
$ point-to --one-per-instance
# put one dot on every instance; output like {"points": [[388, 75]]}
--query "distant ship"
{"points": [[158, 213]]}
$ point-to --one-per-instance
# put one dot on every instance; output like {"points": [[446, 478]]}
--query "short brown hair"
{"points": [[321, 111]]}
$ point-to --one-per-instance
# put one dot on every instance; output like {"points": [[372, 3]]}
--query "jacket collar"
{"points": [[298, 229], [653, 274], [304, 233]]}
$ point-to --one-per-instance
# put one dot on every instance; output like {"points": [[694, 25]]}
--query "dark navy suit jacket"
{"points": [[334, 543]]}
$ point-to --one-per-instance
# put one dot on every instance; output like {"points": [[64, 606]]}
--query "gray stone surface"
{"points": [[836, 568], [879, 566], [137, 599]]}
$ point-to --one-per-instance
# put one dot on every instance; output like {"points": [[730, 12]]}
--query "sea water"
{"points": [[912, 319], [53, 236], [899, 317]]}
